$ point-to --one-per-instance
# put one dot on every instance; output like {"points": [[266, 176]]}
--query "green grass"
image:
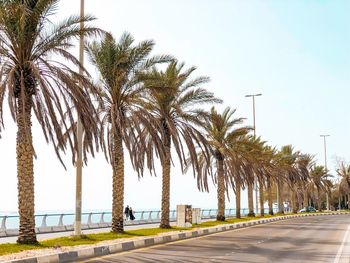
{"points": [[10, 248]]}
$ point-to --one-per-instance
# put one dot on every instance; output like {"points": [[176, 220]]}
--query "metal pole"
{"points": [[256, 181], [254, 115], [325, 166], [254, 127], [79, 163]]}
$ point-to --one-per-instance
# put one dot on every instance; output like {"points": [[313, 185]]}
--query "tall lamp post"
{"points": [[254, 126], [79, 162], [325, 165]]}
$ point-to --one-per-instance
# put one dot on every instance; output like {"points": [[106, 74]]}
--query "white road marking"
{"points": [[340, 250]]}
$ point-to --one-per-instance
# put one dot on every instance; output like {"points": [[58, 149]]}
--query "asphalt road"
{"points": [[308, 239]]}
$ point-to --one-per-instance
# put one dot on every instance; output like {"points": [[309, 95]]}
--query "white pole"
{"points": [[79, 163]]}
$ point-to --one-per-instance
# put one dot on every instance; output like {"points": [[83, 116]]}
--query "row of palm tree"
{"points": [[150, 106]]}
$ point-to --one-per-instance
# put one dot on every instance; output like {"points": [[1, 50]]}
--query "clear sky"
{"points": [[296, 53]]}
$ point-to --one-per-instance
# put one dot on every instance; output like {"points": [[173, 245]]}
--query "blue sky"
{"points": [[296, 53]]}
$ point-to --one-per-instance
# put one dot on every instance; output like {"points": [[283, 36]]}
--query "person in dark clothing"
{"points": [[131, 215], [126, 212]]}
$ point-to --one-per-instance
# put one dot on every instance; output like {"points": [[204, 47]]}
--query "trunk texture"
{"points": [[261, 199], [319, 205], [294, 200], [306, 198], [164, 223], [221, 187], [118, 185], [269, 196], [25, 173], [238, 199], [279, 194], [250, 200]]}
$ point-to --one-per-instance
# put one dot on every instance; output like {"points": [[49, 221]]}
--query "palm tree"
{"points": [[226, 143], [344, 185], [243, 161], [319, 176], [34, 82], [264, 166], [304, 164], [287, 161], [172, 100], [272, 171], [120, 109], [257, 171]]}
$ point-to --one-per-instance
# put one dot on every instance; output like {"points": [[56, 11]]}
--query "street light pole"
{"points": [[254, 127], [325, 165], [79, 162]]}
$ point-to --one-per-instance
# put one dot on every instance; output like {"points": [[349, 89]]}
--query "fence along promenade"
{"points": [[61, 222]]}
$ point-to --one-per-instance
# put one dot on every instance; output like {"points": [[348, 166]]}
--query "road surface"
{"points": [[308, 239]]}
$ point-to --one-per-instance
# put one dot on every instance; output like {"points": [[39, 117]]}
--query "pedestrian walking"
{"points": [[126, 212], [131, 214]]}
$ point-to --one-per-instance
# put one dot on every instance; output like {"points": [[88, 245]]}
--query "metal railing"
{"points": [[49, 223]]}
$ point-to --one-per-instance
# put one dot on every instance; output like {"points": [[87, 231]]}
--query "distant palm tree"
{"points": [[344, 185], [318, 176], [271, 163], [304, 164], [263, 170], [173, 100], [257, 172], [287, 161], [34, 82], [120, 108]]}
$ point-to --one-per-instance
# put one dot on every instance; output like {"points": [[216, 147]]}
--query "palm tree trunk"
{"points": [[250, 200], [25, 173], [305, 202], [261, 198], [279, 194], [221, 188], [319, 206], [118, 185], [164, 223], [238, 198], [269, 196], [294, 200]]}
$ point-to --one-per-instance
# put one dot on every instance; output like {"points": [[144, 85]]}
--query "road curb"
{"points": [[86, 253]]}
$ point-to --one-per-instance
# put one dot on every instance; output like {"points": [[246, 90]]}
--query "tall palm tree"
{"points": [[243, 161], [318, 176], [173, 99], [226, 143], [120, 109], [34, 82]]}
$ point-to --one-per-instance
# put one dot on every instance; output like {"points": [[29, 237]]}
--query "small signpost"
{"points": [[186, 216]]}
